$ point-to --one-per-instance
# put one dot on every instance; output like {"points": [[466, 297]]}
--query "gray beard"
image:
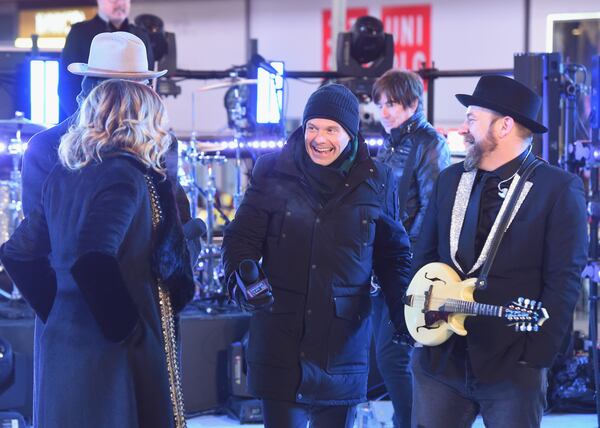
{"points": [[473, 157], [476, 151]]}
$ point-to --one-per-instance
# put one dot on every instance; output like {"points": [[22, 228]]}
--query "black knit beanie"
{"points": [[334, 102]]}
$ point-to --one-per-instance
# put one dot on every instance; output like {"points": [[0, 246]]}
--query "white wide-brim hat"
{"points": [[117, 55]]}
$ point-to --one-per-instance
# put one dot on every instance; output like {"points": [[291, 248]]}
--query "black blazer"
{"points": [[541, 257]]}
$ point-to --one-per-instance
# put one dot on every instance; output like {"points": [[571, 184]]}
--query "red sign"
{"points": [[352, 15], [409, 25], [411, 28]]}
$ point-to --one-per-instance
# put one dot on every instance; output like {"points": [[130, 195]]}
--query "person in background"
{"points": [[112, 16], [321, 214], [104, 264], [416, 153]]}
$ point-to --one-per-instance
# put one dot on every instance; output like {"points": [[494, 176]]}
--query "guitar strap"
{"points": [[481, 282]]}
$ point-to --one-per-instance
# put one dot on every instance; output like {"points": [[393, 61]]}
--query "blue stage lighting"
{"points": [[269, 95], [44, 91]]}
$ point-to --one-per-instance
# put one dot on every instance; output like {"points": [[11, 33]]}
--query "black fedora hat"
{"points": [[508, 97]]}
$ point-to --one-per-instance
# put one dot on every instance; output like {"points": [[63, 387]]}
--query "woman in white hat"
{"points": [[103, 262]]}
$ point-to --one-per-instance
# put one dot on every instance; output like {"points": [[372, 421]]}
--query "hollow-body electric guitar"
{"points": [[437, 303]]}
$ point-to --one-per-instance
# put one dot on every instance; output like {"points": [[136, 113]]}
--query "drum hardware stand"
{"points": [[577, 156], [211, 286], [238, 114], [192, 154], [592, 271]]}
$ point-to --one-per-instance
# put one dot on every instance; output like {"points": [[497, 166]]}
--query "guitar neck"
{"points": [[473, 308]]}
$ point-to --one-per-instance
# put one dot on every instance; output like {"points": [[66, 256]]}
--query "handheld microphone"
{"points": [[251, 289], [251, 284]]}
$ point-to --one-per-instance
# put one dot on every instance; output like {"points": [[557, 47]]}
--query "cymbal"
{"points": [[227, 84], [10, 126]]}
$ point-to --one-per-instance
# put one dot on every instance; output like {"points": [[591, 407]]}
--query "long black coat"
{"points": [[40, 158], [77, 49], [540, 257], [312, 345], [86, 262]]}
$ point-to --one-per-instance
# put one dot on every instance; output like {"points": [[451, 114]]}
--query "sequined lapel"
{"points": [[461, 200]]}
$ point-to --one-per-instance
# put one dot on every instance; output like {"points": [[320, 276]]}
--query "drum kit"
{"points": [[11, 154], [207, 156]]}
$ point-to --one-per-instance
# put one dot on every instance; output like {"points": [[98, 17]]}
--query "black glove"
{"points": [[403, 338], [249, 287], [401, 334]]}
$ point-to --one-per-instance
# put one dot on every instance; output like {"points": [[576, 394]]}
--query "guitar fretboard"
{"points": [[472, 308]]}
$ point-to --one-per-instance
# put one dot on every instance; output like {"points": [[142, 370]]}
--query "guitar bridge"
{"points": [[427, 294]]}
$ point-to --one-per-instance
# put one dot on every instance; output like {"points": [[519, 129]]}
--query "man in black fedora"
{"points": [[495, 370]]}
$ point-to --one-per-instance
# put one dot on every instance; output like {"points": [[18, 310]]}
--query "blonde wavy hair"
{"points": [[117, 115]]}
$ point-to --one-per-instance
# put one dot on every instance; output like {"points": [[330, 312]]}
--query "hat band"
{"points": [[105, 70]]}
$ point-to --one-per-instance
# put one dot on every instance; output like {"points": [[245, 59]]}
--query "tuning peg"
{"points": [[539, 305], [532, 304], [526, 302], [520, 301], [517, 327], [522, 327], [536, 327], [529, 327]]}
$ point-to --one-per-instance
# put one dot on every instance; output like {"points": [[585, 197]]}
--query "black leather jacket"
{"points": [[432, 156]]}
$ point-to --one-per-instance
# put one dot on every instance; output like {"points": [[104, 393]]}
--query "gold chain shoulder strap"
{"points": [[168, 321]]}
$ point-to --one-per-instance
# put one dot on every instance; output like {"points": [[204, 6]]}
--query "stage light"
{"points": [[164, 49], [42, 42], [44, 91], [374, 142], [365, 51], [368, 39], [154, 26], [230, 145], [269, 94]]}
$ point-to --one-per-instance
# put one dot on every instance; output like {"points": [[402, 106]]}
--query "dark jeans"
{"points": [[393, 361], [283, 414], [455, 397]]}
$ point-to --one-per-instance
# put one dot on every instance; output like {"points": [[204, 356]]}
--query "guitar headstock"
{"points": [[525, 314]]}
